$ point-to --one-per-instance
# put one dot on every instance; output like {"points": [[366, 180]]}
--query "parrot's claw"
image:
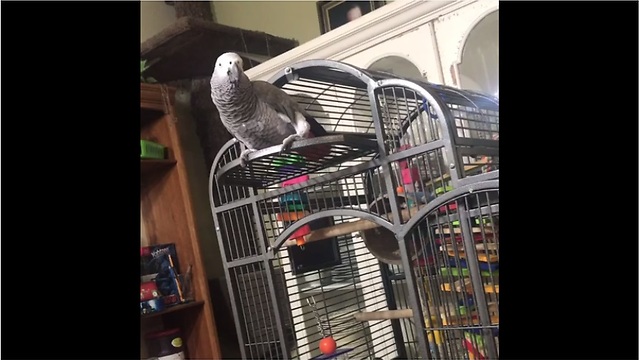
{"points": [[284, 149], [244, 157], [286, 143]]}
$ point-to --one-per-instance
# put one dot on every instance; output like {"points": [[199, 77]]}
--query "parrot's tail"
{"points": [[315, 126], [315, 153]]}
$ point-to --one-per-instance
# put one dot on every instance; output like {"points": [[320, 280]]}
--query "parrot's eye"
{"points": [[229, 62]]}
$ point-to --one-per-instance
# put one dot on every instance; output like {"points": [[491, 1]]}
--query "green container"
{"points": [[441, 190], [151, 150]]}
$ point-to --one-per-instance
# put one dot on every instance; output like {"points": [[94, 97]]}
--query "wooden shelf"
{"points": [[151, 166], [167, 215], [152, 102], [151, 97], [175, 308]]}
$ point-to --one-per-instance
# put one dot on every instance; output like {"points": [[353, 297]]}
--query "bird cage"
{"points": [[389, 222]]}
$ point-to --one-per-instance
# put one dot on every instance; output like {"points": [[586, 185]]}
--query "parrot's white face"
{"points": [[228, 66]]}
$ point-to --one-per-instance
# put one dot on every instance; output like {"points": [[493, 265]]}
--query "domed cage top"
{"points": [[335, 227], [370, 112]]}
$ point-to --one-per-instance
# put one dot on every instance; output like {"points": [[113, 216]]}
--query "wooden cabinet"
{"points": [[167, 217]]}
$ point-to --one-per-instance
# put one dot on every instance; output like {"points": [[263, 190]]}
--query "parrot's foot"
{"points": [[286, 143], [244, 157]]}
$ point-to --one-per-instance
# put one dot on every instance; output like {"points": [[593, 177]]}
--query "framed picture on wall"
{"points": [[333, 14]]}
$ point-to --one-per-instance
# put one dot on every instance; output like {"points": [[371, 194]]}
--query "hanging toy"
{"points": [[294, 205], [327, 345]]}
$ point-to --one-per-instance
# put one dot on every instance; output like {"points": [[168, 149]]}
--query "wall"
{"points": [[154, 16], [288, 19], [400, 28], [480, 62], [454, 29], [398, 20]]}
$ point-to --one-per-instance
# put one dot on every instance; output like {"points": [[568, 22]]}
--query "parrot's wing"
{"points": [[284, 104]]}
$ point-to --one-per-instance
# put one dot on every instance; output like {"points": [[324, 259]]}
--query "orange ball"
{"points": [[327, 345]]}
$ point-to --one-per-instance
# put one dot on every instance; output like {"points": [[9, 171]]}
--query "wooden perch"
{"points": [[408, 313], [344, 229], [383, 315]]}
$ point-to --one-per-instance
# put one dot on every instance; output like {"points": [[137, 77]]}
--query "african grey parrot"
{"points": [[257, 113]]}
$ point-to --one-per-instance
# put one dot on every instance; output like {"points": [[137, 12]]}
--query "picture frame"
{"points": [[333, 14]]}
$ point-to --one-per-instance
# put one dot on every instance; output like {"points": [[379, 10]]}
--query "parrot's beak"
{"points": [[233, 72]]}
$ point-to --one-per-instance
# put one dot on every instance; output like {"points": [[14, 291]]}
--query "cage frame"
{"points": [[374, 82]]}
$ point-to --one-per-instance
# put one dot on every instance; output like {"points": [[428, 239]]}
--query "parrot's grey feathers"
{"points": [[257, 113], [277, 98], [284, 104]]}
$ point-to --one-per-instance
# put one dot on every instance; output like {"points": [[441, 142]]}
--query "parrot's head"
{"points": [[228, 67]]}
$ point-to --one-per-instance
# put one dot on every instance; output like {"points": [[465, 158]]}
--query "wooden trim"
{"points": [[200, 280], [168, 216]]}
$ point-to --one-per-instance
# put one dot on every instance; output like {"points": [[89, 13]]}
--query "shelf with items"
{"points": [[167, 217], [181, 307], [154, 157]]}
